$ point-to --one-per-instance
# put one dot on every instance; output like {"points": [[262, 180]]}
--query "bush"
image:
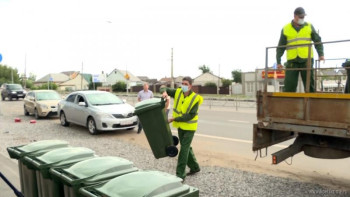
{"points": [[210, 84], [53, 86], [120, 86], [226, 82]]}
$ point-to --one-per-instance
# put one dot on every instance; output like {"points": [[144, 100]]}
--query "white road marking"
{"points": [[231, 139], [239, 121]]}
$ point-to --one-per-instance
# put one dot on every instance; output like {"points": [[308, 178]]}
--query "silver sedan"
{"points": [[97, 110]]}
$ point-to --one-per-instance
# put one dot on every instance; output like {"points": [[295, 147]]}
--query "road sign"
{"points": [[127, 76], [99, 78], [0, 57]]}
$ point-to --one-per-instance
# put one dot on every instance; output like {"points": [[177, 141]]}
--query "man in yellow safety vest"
{"points": [[295, 33], [185, 119]]}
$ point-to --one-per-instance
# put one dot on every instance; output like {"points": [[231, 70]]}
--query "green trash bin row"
{"points": [[90, 172], [152, 116], [33, 149], [77, 171], [47, 187], [141, 183]]}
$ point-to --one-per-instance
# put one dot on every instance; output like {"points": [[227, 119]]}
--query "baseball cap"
{"points": [[299, 11]]}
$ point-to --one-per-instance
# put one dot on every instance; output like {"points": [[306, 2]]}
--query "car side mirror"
{"points": [[82, 104]]}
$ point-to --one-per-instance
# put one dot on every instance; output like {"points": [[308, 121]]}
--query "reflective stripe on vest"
{"points": [[183, 106], [296, 38]]}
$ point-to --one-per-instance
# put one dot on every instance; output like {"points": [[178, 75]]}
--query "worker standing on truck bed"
{"points": [[298, 32]]}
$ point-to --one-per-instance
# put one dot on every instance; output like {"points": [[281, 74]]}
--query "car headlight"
{"points": [[44, 106], [13, 92], [105, 115]]}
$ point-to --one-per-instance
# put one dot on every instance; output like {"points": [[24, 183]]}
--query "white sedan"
{"points": [[97, 110]]}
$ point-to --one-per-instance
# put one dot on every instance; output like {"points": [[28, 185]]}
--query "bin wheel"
{"points": [[171, 151], [175, 140]]}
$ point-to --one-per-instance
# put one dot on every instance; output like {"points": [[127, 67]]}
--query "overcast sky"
{"points": [[57, 36]]}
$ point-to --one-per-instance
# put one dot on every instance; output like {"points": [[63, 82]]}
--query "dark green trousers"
{"points": [[186, 155], [291, 77]]}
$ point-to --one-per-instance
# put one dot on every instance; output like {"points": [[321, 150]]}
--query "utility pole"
{"points": [[25, 71], [81, 76], [172, 67]]}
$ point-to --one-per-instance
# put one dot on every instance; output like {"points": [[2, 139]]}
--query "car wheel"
{"points": [[2, 97], [36, 114], [63, 120], [92, 126], [26, 113]]}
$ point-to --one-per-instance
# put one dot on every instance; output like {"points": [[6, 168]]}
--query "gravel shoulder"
{"points": [[213, 180]]}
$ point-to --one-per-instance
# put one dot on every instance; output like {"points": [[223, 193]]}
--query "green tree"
{"points": [[226, 82], [53, 86], [120, 86], [210, 84], [7, 73], [237, 76], [204, 69], [91, 85]]}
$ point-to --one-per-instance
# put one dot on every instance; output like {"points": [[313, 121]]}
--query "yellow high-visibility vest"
{"points": [[183, 106], [301, 37]]}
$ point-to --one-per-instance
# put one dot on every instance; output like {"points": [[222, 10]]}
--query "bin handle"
{"points": [[14, 150], [60, 174], [35, 162], [85, 192]]}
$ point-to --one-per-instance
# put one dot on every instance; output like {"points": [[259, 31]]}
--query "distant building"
{"points": [[148, 80], [207, 78], [254, 81], [80, 82], [71, 74], [56, 78], [120, 75]]}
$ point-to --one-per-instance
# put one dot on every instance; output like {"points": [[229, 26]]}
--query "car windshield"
{"points": [[103, 99], [42, 96], [15, 87]]}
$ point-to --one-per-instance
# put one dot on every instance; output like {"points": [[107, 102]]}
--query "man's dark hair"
{"points": [[187, 78]]}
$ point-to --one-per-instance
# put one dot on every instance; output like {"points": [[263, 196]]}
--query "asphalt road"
{"points": [[232, 130]]}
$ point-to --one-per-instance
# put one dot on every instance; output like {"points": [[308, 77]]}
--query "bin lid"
{"points": [[144, 183], [65, 156], [44, 144], [98, 167], [36, 148], [149, 104]]}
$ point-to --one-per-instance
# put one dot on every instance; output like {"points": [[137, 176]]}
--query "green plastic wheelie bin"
{"points": [[90, 172], [27, 176], [141, 183], [48, 187], [156, 127]]}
